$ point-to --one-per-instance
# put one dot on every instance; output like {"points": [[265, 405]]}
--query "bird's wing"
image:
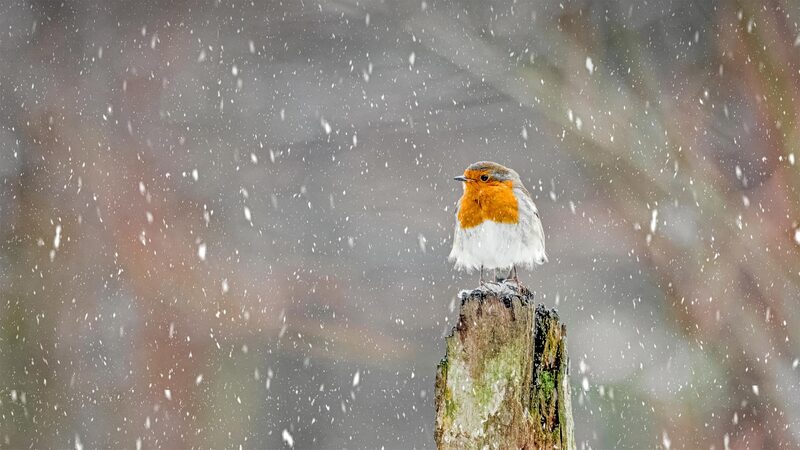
{"points": [[531, 221]]}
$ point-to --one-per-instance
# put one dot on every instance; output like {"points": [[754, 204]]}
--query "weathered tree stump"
{"points": [[503, 383]]}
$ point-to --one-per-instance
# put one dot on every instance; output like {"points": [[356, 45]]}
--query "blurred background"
{"points": [[224, 224]]}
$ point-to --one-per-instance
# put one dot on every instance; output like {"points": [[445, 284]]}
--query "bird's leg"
{"points": [[516, 278], [510, 271], [481, 279], [495, 275]]}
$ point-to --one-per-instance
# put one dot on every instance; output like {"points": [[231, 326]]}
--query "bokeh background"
{"points": [[224, 224]]}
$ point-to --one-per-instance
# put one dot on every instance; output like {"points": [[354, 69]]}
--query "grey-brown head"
{"points": [[487, 171]]}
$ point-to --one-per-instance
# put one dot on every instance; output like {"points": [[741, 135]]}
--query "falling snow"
{"points": [[228, 226], [589, 65], [287, 438], [201, 251]]}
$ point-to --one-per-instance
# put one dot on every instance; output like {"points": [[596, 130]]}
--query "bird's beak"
{"points": [[461, 178]]}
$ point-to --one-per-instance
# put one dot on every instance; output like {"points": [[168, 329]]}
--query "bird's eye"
{"points": [[484, 177]]}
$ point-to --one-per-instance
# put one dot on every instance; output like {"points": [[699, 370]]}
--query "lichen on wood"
{"points": [[503, 383]]}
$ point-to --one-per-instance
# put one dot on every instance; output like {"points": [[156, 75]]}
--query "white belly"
{"points": [[494, 245]]}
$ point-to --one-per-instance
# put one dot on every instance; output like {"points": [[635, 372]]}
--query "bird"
{"points": [[497, 223]]}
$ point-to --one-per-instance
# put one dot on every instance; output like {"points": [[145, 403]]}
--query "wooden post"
{"points": [[503, 383]]}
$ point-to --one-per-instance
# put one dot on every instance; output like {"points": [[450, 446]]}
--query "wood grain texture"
{"points": [[504, 383]]}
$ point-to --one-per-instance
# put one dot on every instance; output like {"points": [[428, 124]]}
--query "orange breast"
{"points": [[490, 201]]}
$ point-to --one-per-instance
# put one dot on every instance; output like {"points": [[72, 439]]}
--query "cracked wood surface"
{"points": [[503, 383]]}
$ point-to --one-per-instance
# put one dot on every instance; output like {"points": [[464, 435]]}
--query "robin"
{"points": [[497, 223]]}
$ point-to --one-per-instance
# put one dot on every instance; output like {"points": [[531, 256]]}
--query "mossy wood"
{"points": [[503, 383]]}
